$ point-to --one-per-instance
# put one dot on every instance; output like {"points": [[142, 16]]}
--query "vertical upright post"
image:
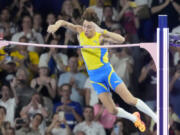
{"points": [[163, 76]]}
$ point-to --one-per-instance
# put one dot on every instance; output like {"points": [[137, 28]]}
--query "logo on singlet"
{"points": [[95, 41]]}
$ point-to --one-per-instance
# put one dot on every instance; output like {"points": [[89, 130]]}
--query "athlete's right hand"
{"points": [[60, 23], [52, 28], [56, 26]]}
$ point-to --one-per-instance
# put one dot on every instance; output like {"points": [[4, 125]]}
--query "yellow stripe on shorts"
{"points": [[100, 84]]}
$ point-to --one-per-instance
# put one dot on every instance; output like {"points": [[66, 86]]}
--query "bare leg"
{"points": [[107, 101], [125, 94]]}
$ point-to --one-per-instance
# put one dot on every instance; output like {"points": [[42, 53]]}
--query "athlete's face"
{"points": [[88, 28]]}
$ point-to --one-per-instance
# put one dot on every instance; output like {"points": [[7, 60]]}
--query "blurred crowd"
{"points": [[46, 91]]}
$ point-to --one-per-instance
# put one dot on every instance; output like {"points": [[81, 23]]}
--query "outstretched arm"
{"points": [[61, 23]]}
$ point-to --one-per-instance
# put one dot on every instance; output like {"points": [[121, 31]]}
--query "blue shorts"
{"points": [[103, 78]]}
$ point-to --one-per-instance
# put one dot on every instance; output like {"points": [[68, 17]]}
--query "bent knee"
{"points": [[131, 101], [113, 111]]}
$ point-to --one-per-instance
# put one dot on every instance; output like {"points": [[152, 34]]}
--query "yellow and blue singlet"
{"points": [[100, 71]]}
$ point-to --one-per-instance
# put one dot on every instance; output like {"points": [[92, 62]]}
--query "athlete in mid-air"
{"points": [[99, 69]]}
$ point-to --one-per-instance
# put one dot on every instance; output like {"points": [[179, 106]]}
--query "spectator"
{"points": [[99, 9], [67, 8], [50, 19], [176, 55], [27, 31], [37, 23], [25, 128], [119, 128], [168, 7], [23, 57], [5, 126], [24, 7], [72, 110], [2, 114], [7, 70], [44, 84], [23, 91], [177, 129], [5, 66], [59, 36], [102, 115], [174, 89], [142, 11], [75, 78], [55, 60], [36, 123], [173, 118], [108, 14], [70, 38], [76, 16], [123, 62], [35, 106], [9, 102], [10, 131], [7, 27], [44, 6], [77, 4], [148, 80], [128, 56], [91, 97], [89, 126], [2, 117], [55, 129], [129, 21]]}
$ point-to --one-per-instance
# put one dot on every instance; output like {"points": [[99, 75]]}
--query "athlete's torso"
{"points": [[94, 57]]}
